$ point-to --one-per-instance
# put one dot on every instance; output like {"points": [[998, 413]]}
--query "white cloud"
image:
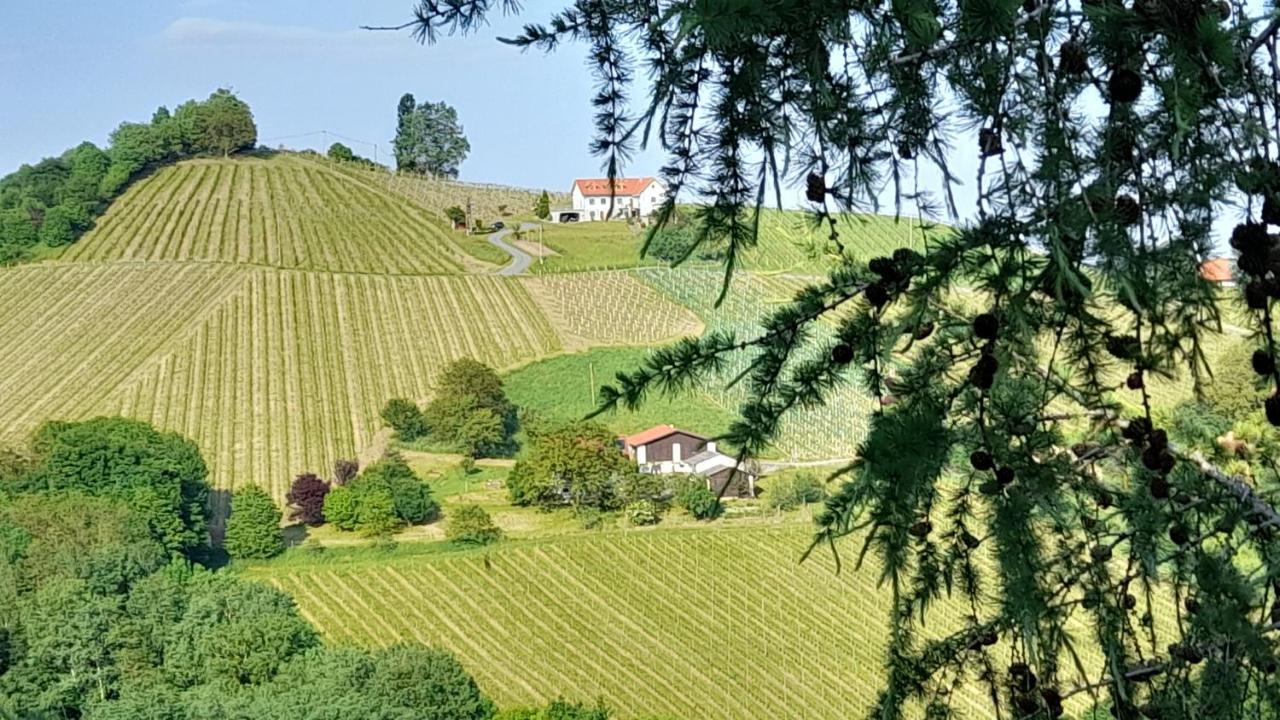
{"points": [[210, 33]]}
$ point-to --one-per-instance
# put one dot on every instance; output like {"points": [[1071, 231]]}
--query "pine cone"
{"points": [[1273, 410], [815, 188], [1250, 238], [1072, 59], [1128, 210], [1124, 86], [986, 326], [1263, 363], [1255, 294], [981, 460], [842, 354]]}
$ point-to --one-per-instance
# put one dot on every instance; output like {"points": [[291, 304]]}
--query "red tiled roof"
{"points": [[1216, 270], [645, 437], [626, 187]]}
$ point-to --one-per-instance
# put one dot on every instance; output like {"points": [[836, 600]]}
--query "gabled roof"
{"points": [[644, 437], [626, 187], [1216, 270], [704, 456]]}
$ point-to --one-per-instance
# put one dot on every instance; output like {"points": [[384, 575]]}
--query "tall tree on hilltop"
{"points": [[1104, 142], [429, 138], [403, 112], [224, 124]]}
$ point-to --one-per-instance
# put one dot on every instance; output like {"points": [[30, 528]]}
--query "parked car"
{"points": [[499, 225]]}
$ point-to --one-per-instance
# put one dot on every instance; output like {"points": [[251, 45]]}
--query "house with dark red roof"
{"points": [[624, 198], [666, 450], [1218, 270]]}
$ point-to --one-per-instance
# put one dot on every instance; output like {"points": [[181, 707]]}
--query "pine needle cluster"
{"points": [[1095, 558]]}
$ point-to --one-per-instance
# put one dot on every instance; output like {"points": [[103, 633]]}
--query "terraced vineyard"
{"points": [[790, 241], [282, 212], [290, 373], [696, 624], [833, 430], [75, 333], [276, 371], [610, 307], [488, 202]]}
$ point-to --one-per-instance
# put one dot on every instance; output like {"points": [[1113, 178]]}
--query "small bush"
{"points": [[405, 417], [593, 518], [471, 525], [1233, 393], [643, 512], [340, 508], [699, 501], [411, 498], [344, 471], [790, 491], [306, 498]]}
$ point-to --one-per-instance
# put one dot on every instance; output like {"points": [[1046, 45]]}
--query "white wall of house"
{"points": [[651, 197], [596, 207]]}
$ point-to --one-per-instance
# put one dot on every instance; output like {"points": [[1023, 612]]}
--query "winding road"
{"points": [[520, 260]]}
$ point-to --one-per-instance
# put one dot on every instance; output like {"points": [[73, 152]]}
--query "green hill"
{"points": [[268, 308], [285, 212]]}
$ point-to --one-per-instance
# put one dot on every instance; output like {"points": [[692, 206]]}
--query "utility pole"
{"points": [[542, 250], [591, 368]]}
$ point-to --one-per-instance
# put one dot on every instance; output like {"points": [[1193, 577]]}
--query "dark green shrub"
{"points": [[789, 491], [471, 525], [698, 500], [405, 417]]}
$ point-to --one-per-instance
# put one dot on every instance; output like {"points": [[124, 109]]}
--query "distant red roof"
{"points": [[1216, 270], [645, 437], [626, 187]]}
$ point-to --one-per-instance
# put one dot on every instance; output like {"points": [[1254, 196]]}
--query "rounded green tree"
{"points": [[253, 528]]}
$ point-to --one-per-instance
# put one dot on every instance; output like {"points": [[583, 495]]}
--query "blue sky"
{"points": [[71, 71]]}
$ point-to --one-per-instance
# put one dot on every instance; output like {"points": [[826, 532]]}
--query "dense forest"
{"points": [[111, 607], [51, 203]]}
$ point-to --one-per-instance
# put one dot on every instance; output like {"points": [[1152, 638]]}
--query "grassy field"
{"points": [[788, 242], [561, 389], [693, 623], [590, 246], [281, 212]]}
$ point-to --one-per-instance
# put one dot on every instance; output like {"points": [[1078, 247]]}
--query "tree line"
{"points": [[56, 200], [111, 607]]}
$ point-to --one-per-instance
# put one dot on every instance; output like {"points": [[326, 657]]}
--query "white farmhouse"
{"points": [[632, 198]]}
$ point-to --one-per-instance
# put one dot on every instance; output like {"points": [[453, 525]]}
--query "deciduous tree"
{"points": [[306, 497], [224, 124], [160, 473], [405, 417], [470, 524], [429, 139], [578, 465]]}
